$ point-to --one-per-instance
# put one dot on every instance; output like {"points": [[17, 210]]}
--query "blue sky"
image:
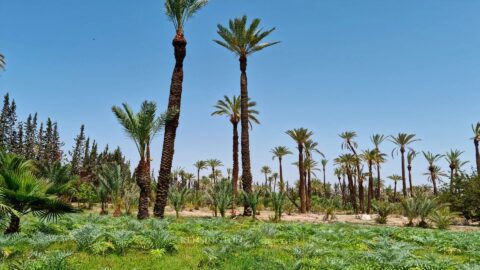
{"points": [[369, 66]]}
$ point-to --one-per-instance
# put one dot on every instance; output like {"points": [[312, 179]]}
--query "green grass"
{"points": [[89, 241]]}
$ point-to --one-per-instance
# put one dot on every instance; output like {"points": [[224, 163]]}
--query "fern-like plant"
{"points": [[383, 209], [177, 197], [443, 217], [252, 199], [278, 201]]}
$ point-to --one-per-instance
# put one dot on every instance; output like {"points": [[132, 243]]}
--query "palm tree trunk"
{"points": [[179, 43], [235, 160], [353, 193], [325, 182], [309, 190], [370, 187], [197, 185], [302, 191], [404, 179], [341, 188], [246, 170], [14, 226], [282, 184], [409, 167], [379, 183], [361, 195], [144, 185], [434, 180], [395, 191], [451, 178], [477, 155]]}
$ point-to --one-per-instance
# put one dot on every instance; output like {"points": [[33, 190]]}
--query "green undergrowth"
{"points": [[89, 241]]}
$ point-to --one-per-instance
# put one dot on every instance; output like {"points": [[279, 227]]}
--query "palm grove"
{"points": [[38, 177]]}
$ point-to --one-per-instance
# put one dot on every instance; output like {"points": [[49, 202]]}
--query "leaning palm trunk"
{"points": [[143, 183], [179, 43], [246, 170]]}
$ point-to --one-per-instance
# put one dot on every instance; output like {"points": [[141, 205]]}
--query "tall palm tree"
{"points": [[214, 163], [310, 147], [141, 127], [275, 177], [231, 108], [178, 12], [395, 178], [300, 136], [410, 157], [199, 165], [348, 162], [433, 172], [454, 163], [279, 152], [265, 170], [349, 144], [476, 141], [243, 41], [324, 165], [402, 140], [339, 172], [377, 139], [369, 156]]}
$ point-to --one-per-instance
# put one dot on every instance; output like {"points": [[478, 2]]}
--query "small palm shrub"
{"points": [[196, 199], [221, 196], [410, 210], [443, 217], [278, 201], [425, 207], [252, 199], [56, 260], [177, 197], [161, 239], [329, 206], [121, 240], [86, 236], [383, 209]]}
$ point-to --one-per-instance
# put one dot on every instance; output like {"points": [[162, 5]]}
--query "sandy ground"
{"points": [[265, 215]]}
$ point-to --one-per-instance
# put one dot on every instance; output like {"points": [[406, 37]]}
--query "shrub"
{"points": [[383, 209], [425, 207], [410, 210], [221, 196], [121, 240], [278, 201], [329, 207], [252, 199], [177, 197], [442, 217], [56, 260], [161, 239], [86, 236]]}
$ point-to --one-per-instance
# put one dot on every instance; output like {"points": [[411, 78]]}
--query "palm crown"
{"points": [[179, 11], [280, 151], [348, 142], [453, 159], [200, 165], [476, 132], [402, 140], [431, 158], [231, 108], [241, 39], [300, 135]]}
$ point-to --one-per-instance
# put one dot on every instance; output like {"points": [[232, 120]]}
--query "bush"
{"points": [[410, 210], [252, 199], [443, 218], [177, 197], [86, 236], [383, 209], [221, 196], [278, 201]]}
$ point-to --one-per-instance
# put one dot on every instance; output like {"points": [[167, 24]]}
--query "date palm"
{"points": [[395, 178], [410, 157], [310, 147], [476, 141], [265, 170], [324, 163], [378, 139], [348, 162], [339, 172], [433, 171], [243, 41], [369, 156], [454, 163], [231, 109], [113, 181], [402, 140], [178, 12], [214, 163], [300, 136], [350, 144], [275, 177], [279, 152], [141, 127], [199, 165], [435, 174]]}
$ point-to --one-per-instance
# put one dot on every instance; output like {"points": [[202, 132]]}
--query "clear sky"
{"points": [[369, 66]]}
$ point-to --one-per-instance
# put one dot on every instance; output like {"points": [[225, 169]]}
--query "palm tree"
{"points": [[214, 163], [402, 140], [395, 178], [21, 193], [243, 41], [476, 140], [339, 173], [113, 180], [265, 170], [410, 157], [2, 61], [310, 146], [377, 139], [370, 156], [279, 152], [178, 12], [275, 177], [454, 163], [434, 172], [199, 165], [349, 144], [324, 165], [348, 162], [60, 175], [141, 127], [300, 136], [231, 108]]}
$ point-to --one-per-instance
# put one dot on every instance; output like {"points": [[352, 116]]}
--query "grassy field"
{"points": [[89, 241]]}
